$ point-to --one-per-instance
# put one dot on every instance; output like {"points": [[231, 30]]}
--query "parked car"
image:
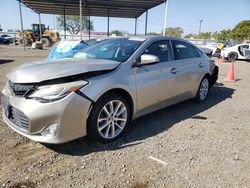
{"points": [[4, 41], [240, 51], [211, 46], [105, 86], [214, 49], [220, 47], [207, 51], [8, 37]]}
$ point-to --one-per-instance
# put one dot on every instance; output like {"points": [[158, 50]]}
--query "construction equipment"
{"points": [[49, 37]]}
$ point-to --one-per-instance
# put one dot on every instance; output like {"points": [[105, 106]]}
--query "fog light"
{"points": [[50, 130]]}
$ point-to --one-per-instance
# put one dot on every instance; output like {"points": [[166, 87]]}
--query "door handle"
{"points": [[173, 70], [201, 65]]}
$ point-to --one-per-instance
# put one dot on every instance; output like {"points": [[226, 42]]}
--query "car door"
{"points": [[189, 66], [244, 50], [156, 83]]}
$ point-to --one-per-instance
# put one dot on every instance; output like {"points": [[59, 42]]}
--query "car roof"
{"points": [[151, 38]]}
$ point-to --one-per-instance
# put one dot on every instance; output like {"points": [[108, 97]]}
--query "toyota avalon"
{"points": [[104, 87]]}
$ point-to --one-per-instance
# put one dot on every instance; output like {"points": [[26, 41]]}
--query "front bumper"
{"points": [[70, 114]]}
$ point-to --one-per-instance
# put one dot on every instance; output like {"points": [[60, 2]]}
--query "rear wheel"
{"points": [[203, 90], [109, 118], [232, 56]]}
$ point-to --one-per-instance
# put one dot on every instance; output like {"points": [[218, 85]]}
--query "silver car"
{"points": [[105, 86]]}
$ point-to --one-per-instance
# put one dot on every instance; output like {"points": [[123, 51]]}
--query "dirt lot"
{"points": [[186, 145]]}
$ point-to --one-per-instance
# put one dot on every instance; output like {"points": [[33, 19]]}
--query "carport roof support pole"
{"points": [[40, 27], [135, 26], [89, 26], [108, 24], [165, 19], [80, 19], [146, 23], [64, 21], [21, 19]]}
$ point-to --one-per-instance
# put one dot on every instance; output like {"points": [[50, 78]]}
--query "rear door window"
{"points": [[184, 50]]}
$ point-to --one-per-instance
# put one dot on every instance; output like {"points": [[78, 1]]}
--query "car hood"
{"points": [[53, 69]]}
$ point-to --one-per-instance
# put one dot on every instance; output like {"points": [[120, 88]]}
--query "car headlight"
{"points": [[50, 93]]}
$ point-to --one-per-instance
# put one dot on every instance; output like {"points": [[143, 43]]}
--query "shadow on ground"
{"points": [[149, 125], [4, 61]]}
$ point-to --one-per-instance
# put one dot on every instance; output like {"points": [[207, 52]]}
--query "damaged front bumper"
{"points": [[55, 122]]}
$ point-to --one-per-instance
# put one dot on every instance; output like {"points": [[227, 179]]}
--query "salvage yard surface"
{"points": [[185, 145]]}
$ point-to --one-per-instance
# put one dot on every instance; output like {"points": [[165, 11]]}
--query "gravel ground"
{"points": [[185, 145]]}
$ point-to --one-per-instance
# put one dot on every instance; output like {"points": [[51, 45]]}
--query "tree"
{"points": [[204, 35], [73, 23], [153, 33], [241, 31], [188, 36], [116, 33], [224, 35], [215, 35], [174, 31]]}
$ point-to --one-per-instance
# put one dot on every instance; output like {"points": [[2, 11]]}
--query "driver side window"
{"points": [[161, 49]]}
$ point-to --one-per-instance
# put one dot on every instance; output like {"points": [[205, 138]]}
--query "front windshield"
{"points": [[111, 49]]}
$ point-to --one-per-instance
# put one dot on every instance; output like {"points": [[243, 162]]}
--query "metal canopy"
{"points": [[105, 8]]}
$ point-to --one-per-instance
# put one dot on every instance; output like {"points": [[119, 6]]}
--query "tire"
{"points": [[46, 42], [232, 56], [203, 90], [105, 128], [20, 41]]}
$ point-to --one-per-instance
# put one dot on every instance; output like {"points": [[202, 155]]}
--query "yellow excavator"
{"points": [[49, 37]]}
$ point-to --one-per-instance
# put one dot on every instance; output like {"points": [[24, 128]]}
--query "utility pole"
{"points": [[200, 26], [80, 19], [165, 18], [146, 23]]}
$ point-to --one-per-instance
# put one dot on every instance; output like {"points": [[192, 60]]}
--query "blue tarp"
{"points": [[66, 49]]}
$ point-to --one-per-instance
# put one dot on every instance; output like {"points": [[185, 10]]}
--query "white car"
{"points": [[207, 51], [241, 51], [212, 46]]}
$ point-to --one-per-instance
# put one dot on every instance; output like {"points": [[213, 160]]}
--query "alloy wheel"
{"points": [[204, 89], [112, 119]]}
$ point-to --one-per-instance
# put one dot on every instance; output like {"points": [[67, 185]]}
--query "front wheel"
{"points": [[203, 90], [109, 118], [46, 42]]}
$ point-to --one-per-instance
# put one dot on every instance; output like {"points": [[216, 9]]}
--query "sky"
{"points": [[216, 15]]}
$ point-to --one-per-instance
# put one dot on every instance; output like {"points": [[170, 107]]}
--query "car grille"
{"points": [[20, 89], [14, 115]]}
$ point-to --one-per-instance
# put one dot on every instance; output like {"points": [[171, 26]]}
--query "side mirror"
{"points": [[147, 59], [210, 55]]}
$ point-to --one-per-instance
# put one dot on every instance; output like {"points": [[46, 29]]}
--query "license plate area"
{"points": [[16, 116]]}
